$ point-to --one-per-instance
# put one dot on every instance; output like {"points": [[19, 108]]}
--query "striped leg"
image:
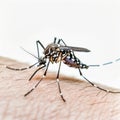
{"points": [[44, 75], [21, 69], [108, 91], [58, 83]]}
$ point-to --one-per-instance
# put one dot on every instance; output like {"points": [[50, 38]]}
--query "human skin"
{"points": [[83, 101]]}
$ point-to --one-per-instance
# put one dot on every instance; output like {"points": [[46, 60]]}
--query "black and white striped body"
{"points": [[56, 53], [72, 61]]}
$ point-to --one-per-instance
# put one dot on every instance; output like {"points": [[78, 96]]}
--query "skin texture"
{"points": [[83, 101]]}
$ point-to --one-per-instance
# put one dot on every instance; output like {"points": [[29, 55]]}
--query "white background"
{"points": [[94, 24]]}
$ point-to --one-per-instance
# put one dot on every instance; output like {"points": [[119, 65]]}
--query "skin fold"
{"points": [[83, 101]]}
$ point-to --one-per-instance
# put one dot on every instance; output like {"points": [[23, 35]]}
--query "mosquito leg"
{"points": [[108, 91], [105, 64], [39, 43], [21, 69], [55, 40], [38, 81], [36, 72], [91, 82], [40, 59], [60, 40], [117, 60], [58, 83]]}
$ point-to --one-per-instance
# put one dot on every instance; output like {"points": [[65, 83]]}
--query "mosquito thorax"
{"points": [[51, 49]]}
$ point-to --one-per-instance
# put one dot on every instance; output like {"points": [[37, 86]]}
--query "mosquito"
{"points": [[57, 52]]}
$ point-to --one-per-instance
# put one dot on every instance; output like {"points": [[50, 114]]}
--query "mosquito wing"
{"points": [[77, 49]]}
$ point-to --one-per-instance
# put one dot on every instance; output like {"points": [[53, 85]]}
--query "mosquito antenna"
{"points": [[29, 53]]}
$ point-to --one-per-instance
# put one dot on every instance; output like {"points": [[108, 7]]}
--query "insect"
{"points": [[58, 52]]}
